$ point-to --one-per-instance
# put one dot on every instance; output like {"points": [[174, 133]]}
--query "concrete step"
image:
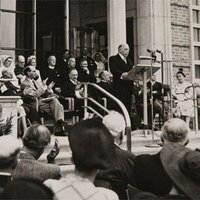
{"points": [[139, 145]]}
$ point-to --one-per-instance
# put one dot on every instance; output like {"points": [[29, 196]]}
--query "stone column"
{"points": [[116, 18], [154, 28]]}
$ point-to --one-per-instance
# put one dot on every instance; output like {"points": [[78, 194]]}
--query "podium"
{"points": [[9, 108], [144, 71]]}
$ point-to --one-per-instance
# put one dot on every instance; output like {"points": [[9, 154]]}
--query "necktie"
{"points": [[35, 85], [125, 60]]}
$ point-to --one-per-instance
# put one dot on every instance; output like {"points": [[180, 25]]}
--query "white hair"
{"points": [[115, 123]]}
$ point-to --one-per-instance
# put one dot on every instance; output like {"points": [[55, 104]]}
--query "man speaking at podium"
{"points": [[120, 65]]}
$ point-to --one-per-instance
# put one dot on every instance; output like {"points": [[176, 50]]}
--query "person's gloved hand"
{"points": [[54, 152]]}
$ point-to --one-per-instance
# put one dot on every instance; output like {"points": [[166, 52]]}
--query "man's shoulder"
{"points": [[144, 159], [125, 154]]}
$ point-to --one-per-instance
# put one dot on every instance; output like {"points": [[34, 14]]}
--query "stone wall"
{"points": [[180, 27]]}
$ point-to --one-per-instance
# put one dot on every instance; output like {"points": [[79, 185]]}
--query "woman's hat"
{"points": [[92, 145], [183, 167], [30, 58]]}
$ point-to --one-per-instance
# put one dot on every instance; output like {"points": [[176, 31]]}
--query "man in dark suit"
{"points": [[157, 98], [68, 90], [119, 67], [117, 177], [51, 72], [84, 56], [150, 175]]}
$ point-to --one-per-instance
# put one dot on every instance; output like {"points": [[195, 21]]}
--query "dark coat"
{"points": [[150, 175], [68, 89], [122, 88], [91, 64], [120, 175], [52, 75]]}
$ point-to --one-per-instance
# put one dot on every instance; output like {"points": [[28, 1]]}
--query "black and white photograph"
{"points": [[99, 99]]}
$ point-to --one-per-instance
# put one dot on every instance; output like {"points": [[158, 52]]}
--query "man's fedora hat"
{"points": [[183, 167]]}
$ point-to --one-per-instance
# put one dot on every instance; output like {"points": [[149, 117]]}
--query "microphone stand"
{"points": [[152, 144]]}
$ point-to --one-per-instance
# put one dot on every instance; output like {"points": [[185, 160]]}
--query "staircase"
{"points": [[138, 146]]}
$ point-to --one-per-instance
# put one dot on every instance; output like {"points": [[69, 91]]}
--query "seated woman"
{"points": [[183, 106]]}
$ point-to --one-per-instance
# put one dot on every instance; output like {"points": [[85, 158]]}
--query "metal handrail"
{"points": [[83, 86], [194, 98]]}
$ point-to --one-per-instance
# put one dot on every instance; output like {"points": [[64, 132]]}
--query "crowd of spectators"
{"points": [[102, 169]]}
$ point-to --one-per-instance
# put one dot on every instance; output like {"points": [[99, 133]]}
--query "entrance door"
{"points": [[85, 37]]}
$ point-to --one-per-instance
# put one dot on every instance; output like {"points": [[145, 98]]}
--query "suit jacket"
{"points": [[35, 90], [157, 86], [150, 175], [29, 167], [120, 175], [91, 64], [106, 86], [68, 89], [122, 88], [52, 75]]}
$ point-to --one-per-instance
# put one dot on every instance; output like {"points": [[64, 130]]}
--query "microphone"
{"points": [[159, 51], [150, 51]]}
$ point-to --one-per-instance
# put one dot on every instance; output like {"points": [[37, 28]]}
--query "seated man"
{"points": [[92, 148], [150, 175], [47, 99], [85, 75], [122, 173], [35, 140]]}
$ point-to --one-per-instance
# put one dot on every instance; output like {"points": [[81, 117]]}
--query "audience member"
{"points": [[51, 72], [9, 151], [63, 64], [47, 99], [92, 148], [105, 81], [119, 67], [19, 68], [157, 99], [99, 61], [122, 173], [36, 138], [31, 61], [90, 61], [27, 189], [150, 175], [182, 166], [84, 74], [8, 65], [182, 98]]}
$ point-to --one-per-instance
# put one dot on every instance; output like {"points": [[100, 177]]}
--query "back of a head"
{"points": [[175, 130], [92, 145], [36, 137], [115, 123], [27, 189]]}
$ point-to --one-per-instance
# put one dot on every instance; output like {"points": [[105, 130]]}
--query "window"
{"points": [[195, 16], [196, 32], [197, 53], [197, 71], [195, 2]]}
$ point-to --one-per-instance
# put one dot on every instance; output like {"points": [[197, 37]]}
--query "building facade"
{"points": [[44, 27]]}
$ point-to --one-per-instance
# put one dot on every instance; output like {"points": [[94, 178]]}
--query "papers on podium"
{"points": [[137, 71]]}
